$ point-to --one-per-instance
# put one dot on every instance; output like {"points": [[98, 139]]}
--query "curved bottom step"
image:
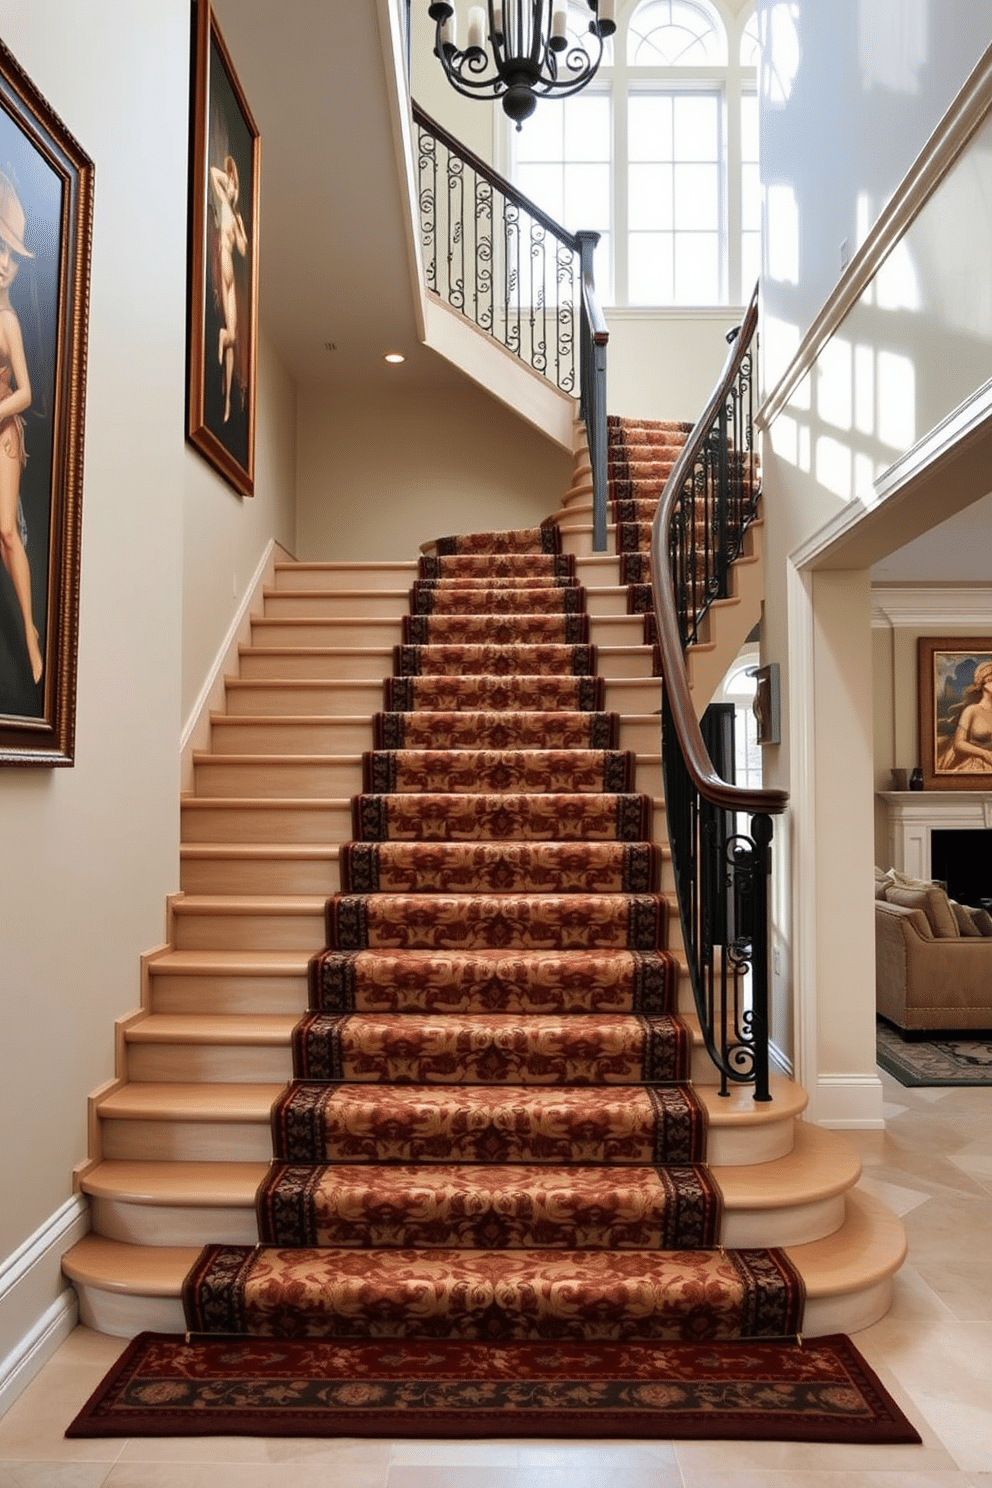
{"points": [[124, 1289]]}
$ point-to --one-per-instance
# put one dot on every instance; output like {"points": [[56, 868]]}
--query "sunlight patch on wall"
{"points": [[833, 466], [781, 52], [782, 234], [893, 44], [896, 395], [834, 390], [897, 283]]}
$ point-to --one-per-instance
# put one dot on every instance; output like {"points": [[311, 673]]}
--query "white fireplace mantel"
{"points": [[913, 815]]}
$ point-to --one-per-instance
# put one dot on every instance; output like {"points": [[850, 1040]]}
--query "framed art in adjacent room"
{"points": [[46, 228], [223, 260], [955, 701]]}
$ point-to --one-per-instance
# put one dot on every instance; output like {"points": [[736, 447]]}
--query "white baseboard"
{"points": [[851, 1102], [38, 1307]]}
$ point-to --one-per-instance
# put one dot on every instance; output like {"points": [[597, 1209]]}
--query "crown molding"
{"points": [[894, 606], [939, 154]]}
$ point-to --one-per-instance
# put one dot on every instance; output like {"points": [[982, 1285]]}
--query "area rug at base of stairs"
{"points": [[944, 1060], [167, 1385]]}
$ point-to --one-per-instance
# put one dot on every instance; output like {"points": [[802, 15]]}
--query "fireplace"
{"points": [[963, 860], [945, 835]]}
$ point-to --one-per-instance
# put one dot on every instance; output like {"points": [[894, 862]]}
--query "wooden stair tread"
{"points": [[739, 1108], [289, 720], [821, 1164], [221, 963], [263, 803], [210, 757], [869, 1247], [387, 565], [250, 904], [223, 1184], [213, 1028], [251, 851], [113, 1266], [166, 1101]]}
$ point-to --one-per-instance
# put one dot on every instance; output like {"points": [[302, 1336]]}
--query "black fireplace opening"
{"points": [[963, 860]]}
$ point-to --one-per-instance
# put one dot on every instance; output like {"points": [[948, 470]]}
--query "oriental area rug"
{"points": [[821, 1390], [941, 1061]]}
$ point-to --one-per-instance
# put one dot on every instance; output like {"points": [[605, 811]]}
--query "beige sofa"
{"points": [[933, 958]]}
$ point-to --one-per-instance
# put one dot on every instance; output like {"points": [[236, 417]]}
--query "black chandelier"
{"points": [[530, 56]]}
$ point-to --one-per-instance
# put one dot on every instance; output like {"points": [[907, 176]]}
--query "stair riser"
{"points": [[288, 824], [193, 1064], [378, 631], [166, 1224], [633, 695], [344, 577], [619, 661], [259, 876], [124, 1315], [234, 995], [189, 1224], [186, 1141], [385, 631], [345, 663], [280, 779], [252, 1064], [296, 736], [352, 604], [328, 700], [242, 932]]}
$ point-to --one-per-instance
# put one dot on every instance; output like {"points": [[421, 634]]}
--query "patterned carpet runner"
{"points": [[491, 1132]]}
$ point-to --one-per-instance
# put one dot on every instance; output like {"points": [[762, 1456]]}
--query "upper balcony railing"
{"points": [[518, 276]]}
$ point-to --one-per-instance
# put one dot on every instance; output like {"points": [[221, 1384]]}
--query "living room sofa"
{"points": [[933, 958]]}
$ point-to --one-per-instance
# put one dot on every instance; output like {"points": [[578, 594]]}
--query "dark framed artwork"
{"points": [[46, 229], [223, 260], [955, 701]]}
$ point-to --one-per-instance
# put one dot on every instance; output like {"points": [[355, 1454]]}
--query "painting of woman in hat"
{"points": [[15, 399]]}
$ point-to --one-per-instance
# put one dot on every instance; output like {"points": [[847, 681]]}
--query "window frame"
{"points": [[619, 80]]}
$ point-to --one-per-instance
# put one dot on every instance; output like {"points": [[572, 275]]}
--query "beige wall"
{"points": [[225, 534], [91, 852], [381, 475]]}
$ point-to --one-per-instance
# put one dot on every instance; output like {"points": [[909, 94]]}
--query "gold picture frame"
{"points": [[222, 332], [955, 704], [46, 231]]}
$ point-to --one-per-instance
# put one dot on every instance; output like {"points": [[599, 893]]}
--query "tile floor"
{"points": [[933, 1165]]}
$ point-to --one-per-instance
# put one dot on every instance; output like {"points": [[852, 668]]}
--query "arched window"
{"points": [[659, 155]]}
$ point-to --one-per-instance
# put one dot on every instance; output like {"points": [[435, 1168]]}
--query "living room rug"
{"points": [[167, 1385], [943, 1061]]}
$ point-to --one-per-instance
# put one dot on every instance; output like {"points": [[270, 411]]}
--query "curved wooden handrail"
{"points": [[709, 784]]}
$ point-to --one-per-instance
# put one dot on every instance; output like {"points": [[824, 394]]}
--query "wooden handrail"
{"points": [[709, 784]]}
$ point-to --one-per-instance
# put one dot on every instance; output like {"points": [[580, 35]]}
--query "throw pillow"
{"points": [[967, 928], [934, 904]]}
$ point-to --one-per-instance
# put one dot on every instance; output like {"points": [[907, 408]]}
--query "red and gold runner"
{"points": [[491, 1133]]}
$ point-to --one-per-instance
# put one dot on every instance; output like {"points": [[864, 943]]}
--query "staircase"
{"points": [[182, 1140]]}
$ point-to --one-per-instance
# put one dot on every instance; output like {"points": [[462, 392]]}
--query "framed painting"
{"points": [[46, 228], [955, 700], [223, 260]]}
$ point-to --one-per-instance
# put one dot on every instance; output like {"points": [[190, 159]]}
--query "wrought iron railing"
{"points": [[722, 871], [518, 276]]}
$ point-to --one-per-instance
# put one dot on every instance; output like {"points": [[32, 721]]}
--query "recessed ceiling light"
{"points": [[395, 356]]}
